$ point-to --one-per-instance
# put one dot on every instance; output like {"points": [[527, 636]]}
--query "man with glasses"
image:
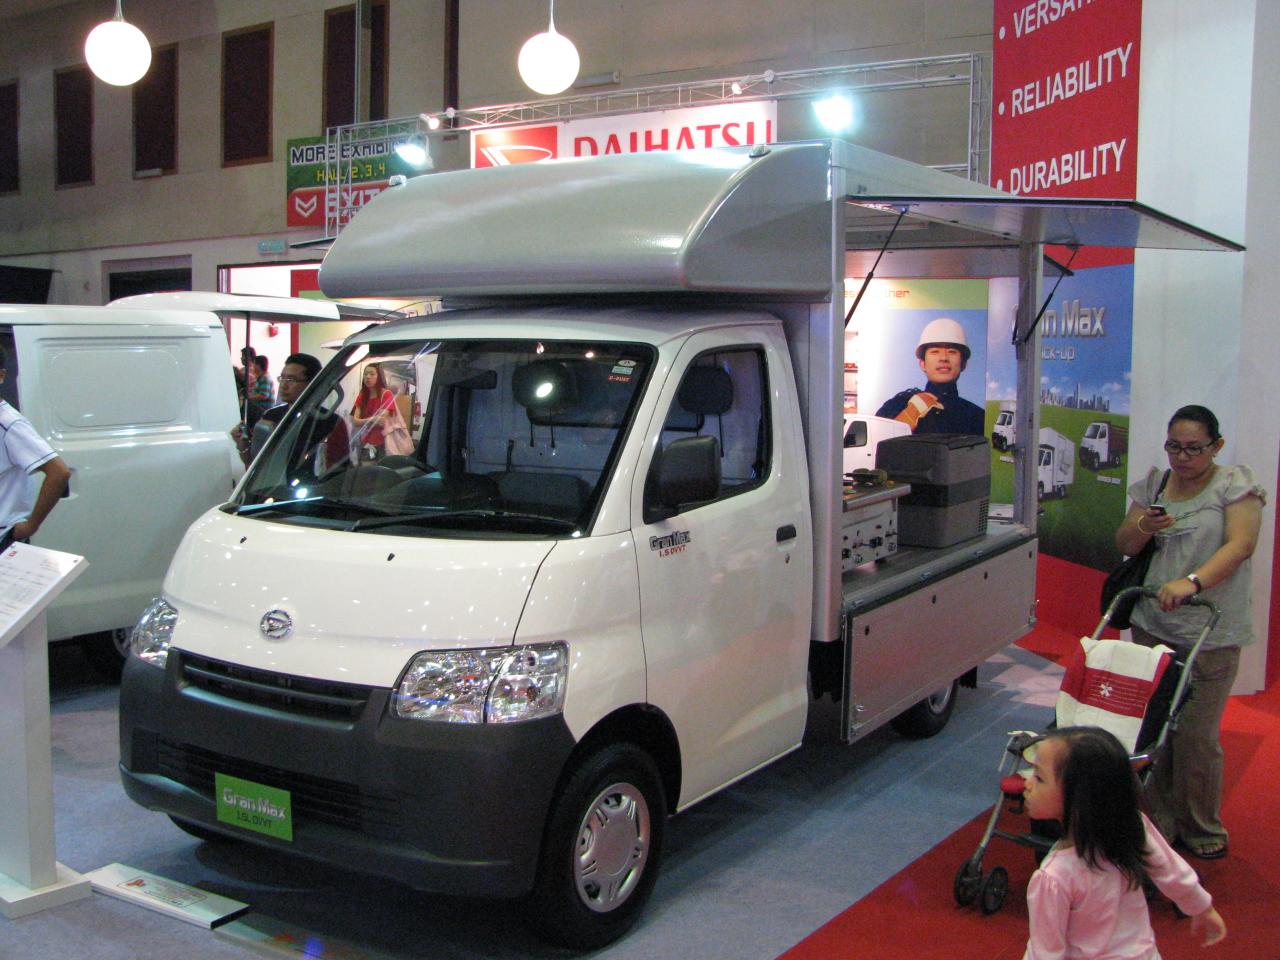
{"points": [[297, 372]]}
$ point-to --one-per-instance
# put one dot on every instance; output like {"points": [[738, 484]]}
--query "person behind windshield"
{"points": [[297, 372], [260, 387], [372, 406]]}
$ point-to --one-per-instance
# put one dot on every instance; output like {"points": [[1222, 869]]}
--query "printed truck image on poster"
{"points": [[1057, 464], [1104, 444], [1004, 434]]}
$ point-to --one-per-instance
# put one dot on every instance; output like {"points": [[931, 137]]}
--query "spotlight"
{"points": [[413, 151], [834, 112]]}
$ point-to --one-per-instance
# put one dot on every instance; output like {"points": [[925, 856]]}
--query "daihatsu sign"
{"points": [[722, 125]]}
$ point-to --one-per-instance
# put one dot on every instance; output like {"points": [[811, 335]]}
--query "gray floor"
{"points": [[747, 874]]}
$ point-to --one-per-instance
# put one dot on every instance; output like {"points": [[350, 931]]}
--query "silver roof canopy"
{"points": [[743, 220], [705, 220]]}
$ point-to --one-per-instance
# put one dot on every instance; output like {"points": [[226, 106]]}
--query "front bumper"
{"points": [[450, 808]]}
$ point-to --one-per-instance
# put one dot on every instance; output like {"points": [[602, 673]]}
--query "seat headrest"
{"points": [[706, 390]]}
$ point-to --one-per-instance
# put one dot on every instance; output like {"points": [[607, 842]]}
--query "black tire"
{"points": [[929, 716], [609, 817], [199, 832], [106, 652], [994, 889], [968, 882]]}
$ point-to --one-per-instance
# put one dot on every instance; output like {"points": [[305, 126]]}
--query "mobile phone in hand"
{"points": [[1157, 509]]}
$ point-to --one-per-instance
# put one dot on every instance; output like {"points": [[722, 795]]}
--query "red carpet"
{"points": [[912, 915]]}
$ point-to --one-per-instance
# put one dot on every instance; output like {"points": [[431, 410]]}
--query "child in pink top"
{"points": [[1086, 900]]}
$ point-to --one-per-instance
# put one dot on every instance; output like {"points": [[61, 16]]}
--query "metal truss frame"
{"points": [[921, 73]]}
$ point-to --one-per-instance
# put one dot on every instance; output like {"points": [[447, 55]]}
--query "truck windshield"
{"points": [[1092, 431], [451, 438]]}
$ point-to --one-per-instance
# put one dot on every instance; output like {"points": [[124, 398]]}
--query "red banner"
{"points": [[1064, 88]]}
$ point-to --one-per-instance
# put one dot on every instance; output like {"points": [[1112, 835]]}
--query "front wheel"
{"points": [[928, 716], [601, 850], [106, 652]]}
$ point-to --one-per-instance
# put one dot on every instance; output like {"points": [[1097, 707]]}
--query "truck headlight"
{"points": [[150, 639], [493, 685]]}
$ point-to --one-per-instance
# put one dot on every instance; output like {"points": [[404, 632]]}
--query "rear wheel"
{"points": [[994, 889], [601, 850], [928, 716]]}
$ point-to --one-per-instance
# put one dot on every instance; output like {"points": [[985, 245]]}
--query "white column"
{"points": [[1196, 337]]}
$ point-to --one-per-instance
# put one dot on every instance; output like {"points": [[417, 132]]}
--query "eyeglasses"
{"points": [[283, 378], [1173, 448]]}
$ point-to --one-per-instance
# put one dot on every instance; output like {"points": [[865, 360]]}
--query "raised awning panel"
{"points": [[944, 221]]}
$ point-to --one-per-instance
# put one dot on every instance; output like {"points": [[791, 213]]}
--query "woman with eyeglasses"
{"points": [[1206, 522]]}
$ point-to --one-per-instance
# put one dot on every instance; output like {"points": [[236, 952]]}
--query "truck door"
{"points": [[725, 584]]}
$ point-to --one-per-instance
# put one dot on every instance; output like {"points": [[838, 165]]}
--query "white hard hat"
{"points": [[943, 332]]}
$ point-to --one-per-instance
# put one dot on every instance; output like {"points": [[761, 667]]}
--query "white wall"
{"points": [[1196, 339]]}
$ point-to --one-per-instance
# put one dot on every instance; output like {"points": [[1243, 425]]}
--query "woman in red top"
{"points": [[371, 408]]}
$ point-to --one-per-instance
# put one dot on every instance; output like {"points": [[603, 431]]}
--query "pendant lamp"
{"points": [[118, 52], [548, 62]]}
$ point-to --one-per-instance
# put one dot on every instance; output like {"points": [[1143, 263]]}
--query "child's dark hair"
{"points": [[1100, 801], [1197, 414]]}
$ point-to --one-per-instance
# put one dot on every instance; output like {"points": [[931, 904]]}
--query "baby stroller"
{"points": [[1133, 691]]}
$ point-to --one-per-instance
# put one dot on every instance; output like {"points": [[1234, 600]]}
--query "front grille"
{"points": [[314, 798], [281, 691]]}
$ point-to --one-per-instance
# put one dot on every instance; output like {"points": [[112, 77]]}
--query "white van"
{"points": [[607, 576], [137, 397]]}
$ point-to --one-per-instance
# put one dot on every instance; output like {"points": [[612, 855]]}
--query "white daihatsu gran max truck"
{"points": [[603, 578]]}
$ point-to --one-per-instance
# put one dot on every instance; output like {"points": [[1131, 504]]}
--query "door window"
{"points": [[725, 395]]}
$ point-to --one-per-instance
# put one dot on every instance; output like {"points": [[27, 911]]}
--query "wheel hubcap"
{"points": [[613, 846], [938, 701]]}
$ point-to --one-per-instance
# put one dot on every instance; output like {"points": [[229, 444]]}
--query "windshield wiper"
{"points": [[431, 519], [288, 505]]}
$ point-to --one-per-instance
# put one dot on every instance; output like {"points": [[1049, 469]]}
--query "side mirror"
{"points": [[686, 471]]}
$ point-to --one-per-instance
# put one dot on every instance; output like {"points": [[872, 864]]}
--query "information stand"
{"points": [[30, 877]]}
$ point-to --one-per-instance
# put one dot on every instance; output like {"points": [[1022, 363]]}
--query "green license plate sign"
{"points": [[254, 806]]}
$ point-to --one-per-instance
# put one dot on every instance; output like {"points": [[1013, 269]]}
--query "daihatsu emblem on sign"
{"points": [[276, 624]]}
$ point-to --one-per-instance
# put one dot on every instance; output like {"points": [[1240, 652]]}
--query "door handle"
{"points": [[787, 532]]}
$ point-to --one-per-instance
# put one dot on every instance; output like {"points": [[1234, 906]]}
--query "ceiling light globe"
{"points": [[118, 53], [548, 62]]}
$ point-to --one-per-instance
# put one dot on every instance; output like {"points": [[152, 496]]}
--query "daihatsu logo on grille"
{"points": [[276, 624]]}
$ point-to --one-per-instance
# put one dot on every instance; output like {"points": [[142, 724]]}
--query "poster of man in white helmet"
{"points": [[941, 349]]}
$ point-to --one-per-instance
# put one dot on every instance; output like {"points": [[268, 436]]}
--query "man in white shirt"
{"points": [[22, 453]]}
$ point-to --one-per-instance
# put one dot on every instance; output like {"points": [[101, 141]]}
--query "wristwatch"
{"points": [[1196, 580]]}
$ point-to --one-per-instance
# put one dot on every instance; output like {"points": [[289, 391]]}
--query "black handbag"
{"points": [[1131, 572]]}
